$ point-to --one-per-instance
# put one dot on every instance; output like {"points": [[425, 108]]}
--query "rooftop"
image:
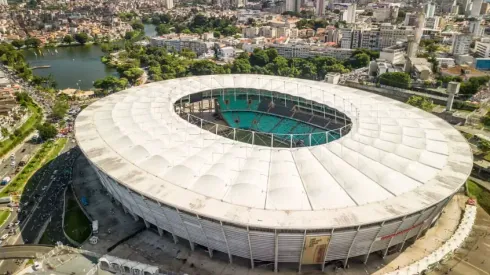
{"points": [[396, 159]]}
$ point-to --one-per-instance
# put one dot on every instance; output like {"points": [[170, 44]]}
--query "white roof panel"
{"points": [[395, 160]]}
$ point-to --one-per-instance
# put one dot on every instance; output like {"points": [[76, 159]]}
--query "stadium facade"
{"points": [[274, 169]]}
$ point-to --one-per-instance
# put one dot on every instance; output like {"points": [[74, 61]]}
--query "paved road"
{"points": [[6, 169], [23, 251], [43, 199]]}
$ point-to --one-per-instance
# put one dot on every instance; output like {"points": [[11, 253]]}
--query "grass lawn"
{"points": [[25, 129], [48, 151], [481, 195], [4, 216], [77, 225]]}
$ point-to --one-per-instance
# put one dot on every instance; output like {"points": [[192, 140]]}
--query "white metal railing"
{"points": [[456, 240], [268, 139]]}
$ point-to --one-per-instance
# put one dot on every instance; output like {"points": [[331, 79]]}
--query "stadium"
{"points": [[274, 170]]}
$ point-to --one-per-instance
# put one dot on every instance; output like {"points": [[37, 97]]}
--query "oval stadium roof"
{"points": [[396, 159]]}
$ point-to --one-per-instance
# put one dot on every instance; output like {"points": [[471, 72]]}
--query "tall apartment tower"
{"points": [[350, 14], [169, 4], [476, 8], [461, 44], [429, 10], [293, 5], [320, 7]]}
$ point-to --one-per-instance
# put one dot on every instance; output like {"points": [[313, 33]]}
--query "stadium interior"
{"points": [[264, 118]]}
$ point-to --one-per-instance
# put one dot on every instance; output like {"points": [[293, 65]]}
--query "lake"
{"points": [[76, 66], [72, 67]]}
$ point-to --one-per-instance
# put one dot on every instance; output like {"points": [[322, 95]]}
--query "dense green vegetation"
{"points": [[421, 102], [469, 87], [396, 79], [48, 151], [480, 194], [47, 131], [163, 64], [4, 214], [77, 226], [199, 24], [22, 132], [13, 58]]}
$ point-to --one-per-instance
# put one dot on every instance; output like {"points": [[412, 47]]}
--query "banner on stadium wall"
{"points": [[315, 249]]}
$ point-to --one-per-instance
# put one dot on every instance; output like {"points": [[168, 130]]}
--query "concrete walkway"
{"points": [[433, 239]]}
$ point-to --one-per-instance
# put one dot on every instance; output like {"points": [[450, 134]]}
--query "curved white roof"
{"points": [[396, 159]]}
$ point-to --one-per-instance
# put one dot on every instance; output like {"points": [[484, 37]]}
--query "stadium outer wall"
{"points": [[274, 245]]}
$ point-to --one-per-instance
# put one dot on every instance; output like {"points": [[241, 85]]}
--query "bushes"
{"points": [[479, 193], [26, 129], [48, 151]]}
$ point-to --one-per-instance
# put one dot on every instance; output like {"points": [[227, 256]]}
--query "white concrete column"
{"points": [[147, 224], [160, 231]]}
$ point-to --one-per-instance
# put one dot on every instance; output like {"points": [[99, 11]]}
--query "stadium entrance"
{"points": [[264, 118]]}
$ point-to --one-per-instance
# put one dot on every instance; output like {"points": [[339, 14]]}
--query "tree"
{"points": [[241, 66], [359, 60], [133, 74], [81, 38], [188, 53], [217, 34], [111, 84], [68, 39], [60, 108], [421, 102], [47, 131], [162, 29], [272, 53], [259, 58], [138, 26], [18, 43], [33, 42], [396, 79]]}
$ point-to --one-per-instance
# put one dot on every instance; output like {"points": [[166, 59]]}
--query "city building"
{"points": [[410, 19], [264, 203], [482, 48], [432, 22], [349, 15], [476, 28], [394, 54], [250, 32], [461, 43], [476, 8], [306, 51], [177, 44], [169, 4], [293, 5], [320, 7], [429, 9]]}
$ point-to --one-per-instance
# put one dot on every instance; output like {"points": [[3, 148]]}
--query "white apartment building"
{"points": [[293, 5], [356, 38], [191, 43], [320, 7], [333, 35], [305, 51], [475, 27], [410, 19], [476, 8], [349, 15], [283, 32], [370, 39], [294, 33], [250, 32], [429, 9], [390, 35], [268, 32], [169, 4], [432, 22], [482, 48], [461, 44], [394, 54], [346, 38]]}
